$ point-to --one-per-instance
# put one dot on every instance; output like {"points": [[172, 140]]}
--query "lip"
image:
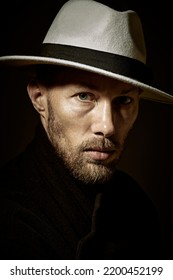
{"points": [[100, 154]]}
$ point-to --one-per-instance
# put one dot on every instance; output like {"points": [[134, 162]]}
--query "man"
{"points": [[64, 198]]}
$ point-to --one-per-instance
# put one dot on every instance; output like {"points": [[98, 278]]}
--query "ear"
{"points": [[37, 94]]}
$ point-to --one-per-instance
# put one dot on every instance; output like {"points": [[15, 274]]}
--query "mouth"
{"points": [[100, 154]]}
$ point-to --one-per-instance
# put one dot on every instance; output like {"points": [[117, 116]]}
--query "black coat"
{"points": [[46, 214]]}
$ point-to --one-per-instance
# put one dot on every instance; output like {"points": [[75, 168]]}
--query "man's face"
{"points": [[87, 121]]}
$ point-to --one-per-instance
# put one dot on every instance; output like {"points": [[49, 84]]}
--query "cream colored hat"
{"points": [[90, 36]]}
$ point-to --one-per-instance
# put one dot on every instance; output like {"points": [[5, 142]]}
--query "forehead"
{"points": [[53, 76]]}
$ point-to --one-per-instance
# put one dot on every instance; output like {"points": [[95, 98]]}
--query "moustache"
{"points": [[100, 144]]}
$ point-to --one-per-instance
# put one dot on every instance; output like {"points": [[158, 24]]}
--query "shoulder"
{"points": [[18, 173], [127, 191], [124, 181], [20, 187]]}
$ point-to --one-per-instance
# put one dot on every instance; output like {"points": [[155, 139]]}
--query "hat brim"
{"points": [[148, 92]]}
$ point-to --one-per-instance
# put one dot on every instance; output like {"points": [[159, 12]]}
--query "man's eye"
{"points": [[123, 100], [85, 96]]}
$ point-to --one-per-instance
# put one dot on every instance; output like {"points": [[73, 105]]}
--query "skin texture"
{"points": [[87, 118]]}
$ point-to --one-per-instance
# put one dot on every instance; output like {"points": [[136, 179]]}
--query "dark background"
{"points": [[148, 155]]}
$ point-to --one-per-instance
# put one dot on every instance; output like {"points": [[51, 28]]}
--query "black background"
{"points": [[148, 155]]}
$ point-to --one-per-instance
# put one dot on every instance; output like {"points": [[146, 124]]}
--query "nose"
{"points": [[103, 119]]}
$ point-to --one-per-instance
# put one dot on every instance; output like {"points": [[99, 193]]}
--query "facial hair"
{"points": [[81, 167]]}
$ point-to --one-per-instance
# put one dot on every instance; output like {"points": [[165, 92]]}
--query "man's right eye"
{"points": [[85, 96]]}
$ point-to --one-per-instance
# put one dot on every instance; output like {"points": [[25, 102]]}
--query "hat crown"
{"points": [[90, 24]]}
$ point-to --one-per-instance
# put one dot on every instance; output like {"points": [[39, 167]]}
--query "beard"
{"points": [[80, 166]]}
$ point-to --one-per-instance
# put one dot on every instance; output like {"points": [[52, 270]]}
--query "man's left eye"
{"points": [[124, 100]]}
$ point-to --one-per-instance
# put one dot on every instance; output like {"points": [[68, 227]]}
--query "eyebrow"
{"points": [[94, 87], [88, 85], [133, 88]]}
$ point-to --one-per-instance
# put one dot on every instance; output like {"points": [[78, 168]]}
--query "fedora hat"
{"points": [[91, 36]]}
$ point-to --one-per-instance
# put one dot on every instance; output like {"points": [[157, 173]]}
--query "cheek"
{"points": [[74, 126], [130, 114], [126, 119]]}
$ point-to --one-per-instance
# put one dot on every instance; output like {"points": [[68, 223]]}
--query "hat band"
{"points": [[114, 63]]}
